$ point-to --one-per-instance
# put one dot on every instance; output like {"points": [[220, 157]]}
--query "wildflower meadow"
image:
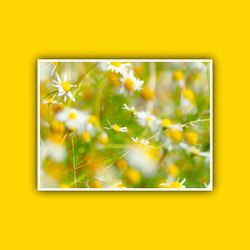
{"points": [[125, 125]]}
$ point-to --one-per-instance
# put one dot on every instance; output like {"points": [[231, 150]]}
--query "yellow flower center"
{"points": [[191, 137], [104, 139], [121, 164], [147, 93], [86, 136], [189, 94], [166, 123], [56, 138], [72, 115], [93, 119], [139, 70], [116, 128], [95, 184], [175, 135], [116, 64], [178, 75], [173, 170], [175, 184], [114, 79], [133, 176], [66, 86], [129, 85], [57, 127]]}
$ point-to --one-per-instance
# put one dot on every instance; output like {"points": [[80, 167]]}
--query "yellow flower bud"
{"points": [[166, 123], [178, 75], [86, 136], [133, 176], [191, 137], [121, 164], [173, 170], [175, 135], [189, 94], [147, 93]]}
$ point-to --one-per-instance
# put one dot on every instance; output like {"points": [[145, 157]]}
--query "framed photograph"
{"points": [[125, 125]]}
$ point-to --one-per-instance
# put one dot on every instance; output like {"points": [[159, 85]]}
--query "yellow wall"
{"points": [[80, 29]]}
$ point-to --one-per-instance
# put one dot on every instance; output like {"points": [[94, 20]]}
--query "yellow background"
{"points": [[80, 29]]}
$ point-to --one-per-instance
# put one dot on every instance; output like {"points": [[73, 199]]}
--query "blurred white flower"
{"points": [[64, 87], [73, 119], [142, 158], [114, 66], [53, 150], [198, 66], [130, 83], [142, 141], [89, 125], [146, 119], [47, 181], [109, 177], [46, 70]]}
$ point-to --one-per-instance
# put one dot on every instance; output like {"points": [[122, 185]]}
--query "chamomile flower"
{"points": [[73, 119], [117, 128], [173, 184], [130, 83], [54, 150], [146, 119], [64, 87], [115, 66], [90, 125], [173, 137], [50, 100], [175, 133], [140, 141], [131, 109], [143, 158]]}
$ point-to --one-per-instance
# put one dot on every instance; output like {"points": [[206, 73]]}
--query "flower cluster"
{"points": [[119, 124]]}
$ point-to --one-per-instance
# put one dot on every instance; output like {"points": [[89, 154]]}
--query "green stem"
{"points": [[51, 93]]}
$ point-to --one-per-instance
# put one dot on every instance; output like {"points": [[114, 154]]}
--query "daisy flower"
{"points": [[146, 119], [132, 109], [117, 128], [73, 119], [90, 125], [50, 100], [64, 87], [140, 141], [114, 66], [130, 83], [174, 184]]}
